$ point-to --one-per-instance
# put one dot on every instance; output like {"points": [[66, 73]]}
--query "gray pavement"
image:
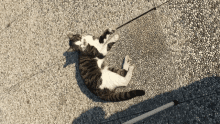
{"points": [[175, 50]]}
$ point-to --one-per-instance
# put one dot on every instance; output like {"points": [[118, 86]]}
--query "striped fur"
{"points": [[100, 79]]}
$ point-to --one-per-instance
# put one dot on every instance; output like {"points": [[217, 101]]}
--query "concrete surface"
{"points": [[175, 50]]}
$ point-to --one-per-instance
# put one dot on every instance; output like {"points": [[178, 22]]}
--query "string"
{"points": [[140, 15]]}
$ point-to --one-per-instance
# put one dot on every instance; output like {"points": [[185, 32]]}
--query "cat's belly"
{"points": [[110, 80]]}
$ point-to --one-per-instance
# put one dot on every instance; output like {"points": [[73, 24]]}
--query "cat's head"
{"points": [[76, 43]]}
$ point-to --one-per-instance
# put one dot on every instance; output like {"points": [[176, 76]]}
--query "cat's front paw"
{"points": [[116, 37], [131, 68], [111, 31]]}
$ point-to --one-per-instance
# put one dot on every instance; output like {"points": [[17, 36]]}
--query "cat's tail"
{"points": [[121, 96]]}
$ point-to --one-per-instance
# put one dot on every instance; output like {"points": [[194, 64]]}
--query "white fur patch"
{"points": [[78, 43], [95, 43], [102, 48], [99, 62], [111, 80]]}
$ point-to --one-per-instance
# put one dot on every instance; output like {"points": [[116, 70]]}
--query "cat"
{"points": [[99, 78]]}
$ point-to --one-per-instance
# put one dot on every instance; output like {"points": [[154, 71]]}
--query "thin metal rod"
{"points": [[140, 15], [168, 105], [141, 117]]}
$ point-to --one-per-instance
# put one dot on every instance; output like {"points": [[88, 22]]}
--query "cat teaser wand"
{"points": [[141, 117], [173, 103]]}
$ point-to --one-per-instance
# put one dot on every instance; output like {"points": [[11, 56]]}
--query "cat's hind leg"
{"points": [[126, 75], [129, 74], [121, 72], [124, 69], [127, 66]]}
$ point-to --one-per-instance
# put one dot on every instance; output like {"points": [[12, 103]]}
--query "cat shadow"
{"points": [[71, 58]]}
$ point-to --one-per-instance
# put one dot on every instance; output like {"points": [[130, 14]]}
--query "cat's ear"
{"points": [[70, 49], [70, 36], [74, 37]]}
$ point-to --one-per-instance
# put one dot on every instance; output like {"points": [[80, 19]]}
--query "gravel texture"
{"points": [[175, 50]]}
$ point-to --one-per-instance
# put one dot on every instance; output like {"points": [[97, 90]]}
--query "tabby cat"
{"points": [[100, 79]]}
